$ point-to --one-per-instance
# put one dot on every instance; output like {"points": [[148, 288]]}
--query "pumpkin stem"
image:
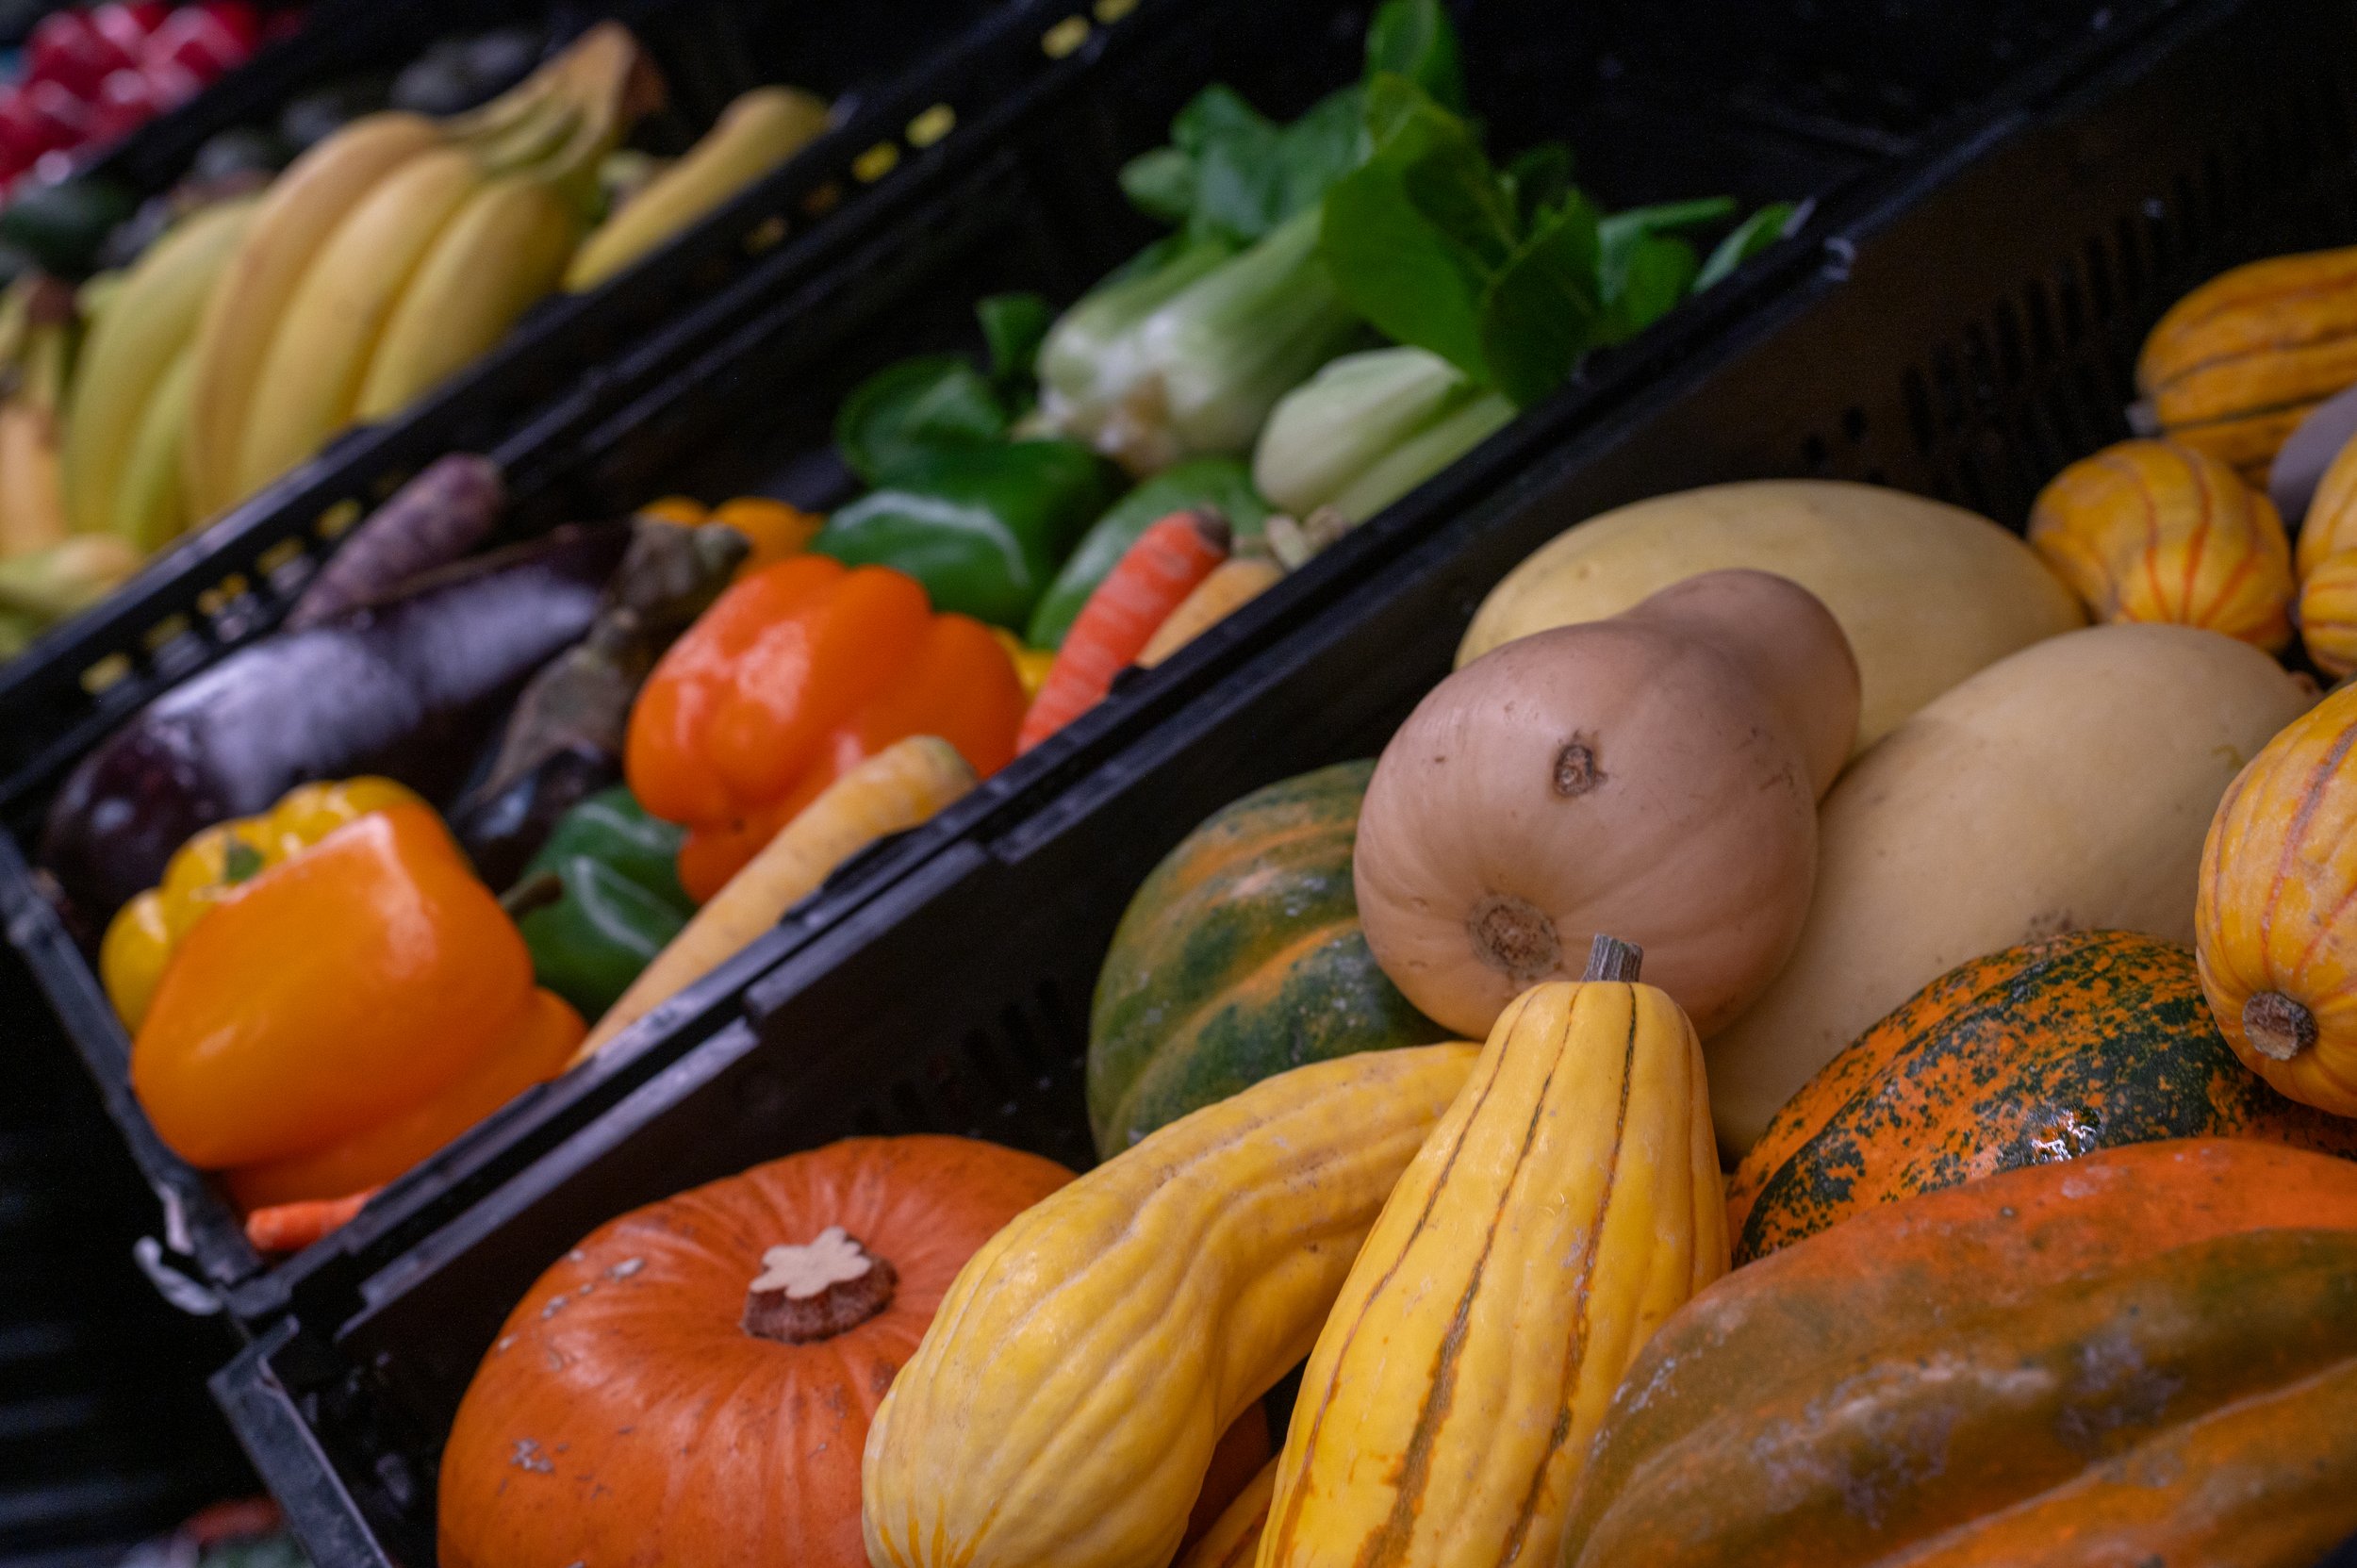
{"points": [[2278, 1027], [1515, 935], [1610, 958], [815, 1291]]}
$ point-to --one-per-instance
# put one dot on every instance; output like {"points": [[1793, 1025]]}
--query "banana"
{"points": [[319, 350], [756, 133], [149, 509], [32, 507], [150, 318], [301, 209], [503, 252]]}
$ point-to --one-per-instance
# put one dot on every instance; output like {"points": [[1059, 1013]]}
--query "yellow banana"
{"points": [[319, 350], [505, 251], [149, 319], [756, 133], [32, 507], [298, 212], [149, 509]]}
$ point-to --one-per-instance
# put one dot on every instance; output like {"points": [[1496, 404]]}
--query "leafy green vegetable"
{"points": [[1012, 327], [1234, 174], [1415, 39], [1751, 237], [908, 411]]}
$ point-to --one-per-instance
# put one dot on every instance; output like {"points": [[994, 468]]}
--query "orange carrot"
{"points": [[292, 1226], [1153, 579]]}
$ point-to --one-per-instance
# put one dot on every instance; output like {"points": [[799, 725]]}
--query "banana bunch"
{"points": [[383, 261]]}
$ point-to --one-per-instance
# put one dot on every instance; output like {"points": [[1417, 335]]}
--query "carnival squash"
{"points": [[1654, 775], [1241, 956], [1566, 1204], [1063, 1409], [690, 1385], [2065, 789], [2276, 928], [2145, 1356], [1926, 593], [2152, 531], [2046, 1051], [2234, 366]]}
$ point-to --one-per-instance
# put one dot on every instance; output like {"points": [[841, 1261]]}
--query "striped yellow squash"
{"points": [[1567, 1202], [2152, 532], [1062, 1409]]}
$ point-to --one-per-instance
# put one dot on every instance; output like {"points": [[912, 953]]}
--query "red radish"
{"points": [[1151, 579]]}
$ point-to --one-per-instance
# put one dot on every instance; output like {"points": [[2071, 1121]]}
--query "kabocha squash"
{"points": [[690, 1385], [2148, 1355], [2042, 1052], [1062, 1409], [2234, 366], [1655, 775], [1241, 956], [1926, 593], [2065, 789], [2275, 925], [2151, 531], [1567, 1202]]}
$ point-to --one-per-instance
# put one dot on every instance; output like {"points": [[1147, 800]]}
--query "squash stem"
{"points": [[1612, 959]]}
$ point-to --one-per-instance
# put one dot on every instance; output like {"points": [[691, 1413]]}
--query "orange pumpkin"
{"points": [[2147, 1356], [2275, 917], [2153, 532], [691, 1386], [2042, 1052]]}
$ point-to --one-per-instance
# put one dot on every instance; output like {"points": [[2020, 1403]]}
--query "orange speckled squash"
{"points": [[2151, 531], [2145, 1356], [2275, 921], [648, 1403], [2234, 366], [2042, 1052]]}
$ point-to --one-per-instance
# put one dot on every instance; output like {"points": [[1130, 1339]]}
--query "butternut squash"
{"points": [[1061, 1412], [1655, 775], [1926, 593], [2065, 788], [1567, 1202]]}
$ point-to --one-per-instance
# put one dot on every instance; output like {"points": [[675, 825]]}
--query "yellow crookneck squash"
{"points": [[1063, 1409], [1567, 1204]]}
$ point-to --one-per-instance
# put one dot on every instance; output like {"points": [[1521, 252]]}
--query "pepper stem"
{"points": [[816, 1291], [1610, 958]]}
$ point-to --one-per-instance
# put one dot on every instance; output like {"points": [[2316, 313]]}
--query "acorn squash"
{"points": [[1241, 956], [2042, 1052], [2148, 1355]]}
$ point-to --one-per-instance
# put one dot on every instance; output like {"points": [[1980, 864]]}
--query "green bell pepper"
{"points": [[982, 527], [1225, 483], [607, 900]]}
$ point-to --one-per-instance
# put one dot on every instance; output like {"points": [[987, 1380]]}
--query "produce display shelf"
{"points": [[737, 396], [1962, 334]]}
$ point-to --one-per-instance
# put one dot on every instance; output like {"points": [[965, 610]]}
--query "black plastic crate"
{"points": [[1963, 338], [738, 394]]}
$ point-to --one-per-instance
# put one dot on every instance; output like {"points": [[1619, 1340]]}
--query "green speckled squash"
{"points": [[1241, 957], [2041, 1052]]}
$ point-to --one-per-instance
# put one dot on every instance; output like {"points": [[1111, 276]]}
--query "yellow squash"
{"points": [[2275, 924], [2234, 366], [2327, 560], [2151, 530], [1567, 1202], [1062, 1409]]}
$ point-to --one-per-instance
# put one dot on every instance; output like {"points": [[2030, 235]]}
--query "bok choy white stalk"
{"points": [[1369, 428]]}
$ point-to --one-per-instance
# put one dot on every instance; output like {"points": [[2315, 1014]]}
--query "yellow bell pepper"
{"points": [[141, 940]]}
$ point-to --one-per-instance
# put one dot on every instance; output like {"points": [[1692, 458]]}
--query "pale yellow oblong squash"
{"points": [[900, 786], [1567, 1202], [1062, 1409], [2065, 788], [1927, 593]]}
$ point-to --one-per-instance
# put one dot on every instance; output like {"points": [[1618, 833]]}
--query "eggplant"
{"points": [[409, 687]]}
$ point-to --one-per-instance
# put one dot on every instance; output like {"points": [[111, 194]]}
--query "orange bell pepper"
{"points": [[331, 1018], [796, 675]]}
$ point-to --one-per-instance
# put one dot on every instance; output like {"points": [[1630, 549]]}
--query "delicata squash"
{"points": [[1063, 1409]]}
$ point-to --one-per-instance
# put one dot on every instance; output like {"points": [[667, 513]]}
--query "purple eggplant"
{"points": [[409, 687]]}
